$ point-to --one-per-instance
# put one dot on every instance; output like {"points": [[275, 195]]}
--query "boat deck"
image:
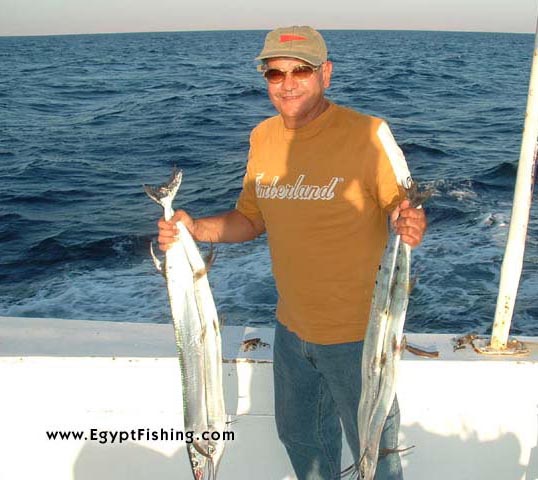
{"points": [[468, 416]]}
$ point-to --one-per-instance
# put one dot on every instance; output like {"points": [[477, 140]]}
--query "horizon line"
{"points": [[194, 30]]}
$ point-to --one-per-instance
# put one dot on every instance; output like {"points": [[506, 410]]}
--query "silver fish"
{"points": [[383, 345], [381, 369], [198, 340]]}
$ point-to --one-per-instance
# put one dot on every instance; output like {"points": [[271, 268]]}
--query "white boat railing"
{"points": [[515, 247]]}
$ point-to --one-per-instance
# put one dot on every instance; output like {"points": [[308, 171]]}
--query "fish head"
{"points": [[200, 464], [205, 458]]}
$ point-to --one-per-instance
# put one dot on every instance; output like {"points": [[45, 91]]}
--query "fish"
{"points": [[383, 346], [380, 365], [198, 340]]}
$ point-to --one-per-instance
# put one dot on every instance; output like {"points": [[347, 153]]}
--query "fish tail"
{"points": [[164, 194], [418, 197]]}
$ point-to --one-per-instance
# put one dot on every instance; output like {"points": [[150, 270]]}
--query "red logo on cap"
{"points": [[289, 38]]}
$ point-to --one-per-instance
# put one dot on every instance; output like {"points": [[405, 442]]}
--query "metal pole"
{"points": [[515, 247]]}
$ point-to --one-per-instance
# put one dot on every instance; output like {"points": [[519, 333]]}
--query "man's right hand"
{"points": [[168, 231], [226, 227]]}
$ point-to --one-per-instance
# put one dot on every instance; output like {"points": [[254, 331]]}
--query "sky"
{"points": [[49, 17]]}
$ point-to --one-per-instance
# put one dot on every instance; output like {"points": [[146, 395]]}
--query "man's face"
{"points": [[298, 101]]}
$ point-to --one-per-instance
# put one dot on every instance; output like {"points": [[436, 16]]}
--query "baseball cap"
{"points": [[300, 42]]}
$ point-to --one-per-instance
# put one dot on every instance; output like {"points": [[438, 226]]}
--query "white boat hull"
{"points": [[70, 375]]}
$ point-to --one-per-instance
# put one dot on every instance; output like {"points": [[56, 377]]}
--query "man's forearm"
{"points": [[228, 227]]}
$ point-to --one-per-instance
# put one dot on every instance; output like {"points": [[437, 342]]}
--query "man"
{"points": [[321, 180]]}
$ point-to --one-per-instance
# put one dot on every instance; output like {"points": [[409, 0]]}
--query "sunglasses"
{"points": [[300, 73]]}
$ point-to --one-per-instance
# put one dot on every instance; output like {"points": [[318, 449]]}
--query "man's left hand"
{"points": [[409, 222]]}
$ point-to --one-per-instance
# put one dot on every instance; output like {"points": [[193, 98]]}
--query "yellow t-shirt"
{"points": [[324, 192]]}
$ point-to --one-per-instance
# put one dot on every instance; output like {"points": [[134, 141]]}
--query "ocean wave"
{"points": [[50, 197], [57, 250], [11, 225], [495, 219], [138, 293], [501, 176], [448, 215], [170, 99], [416, 149], [99, 118], [83, 91], [202, 120], [131, 295], [246, 93], [38, 68]]}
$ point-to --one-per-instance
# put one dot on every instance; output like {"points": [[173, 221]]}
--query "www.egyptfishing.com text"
{"points": [[138, 435]]}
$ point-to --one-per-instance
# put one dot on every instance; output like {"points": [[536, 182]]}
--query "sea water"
{"points": [[85, 120]]}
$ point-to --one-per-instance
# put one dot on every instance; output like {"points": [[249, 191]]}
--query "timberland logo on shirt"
{"points": [[297, 191]]}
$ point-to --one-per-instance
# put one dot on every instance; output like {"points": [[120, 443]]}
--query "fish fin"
{"points": [[350, 472], [210, 257], [165, 193], [387, 451], [231, 422], [199, 274], [158, 264], [412, 283], [151, 192], [353, 471], [208, 260]]}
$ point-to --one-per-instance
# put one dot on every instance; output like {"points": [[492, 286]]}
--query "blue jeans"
{"points": [[316, 386]]}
